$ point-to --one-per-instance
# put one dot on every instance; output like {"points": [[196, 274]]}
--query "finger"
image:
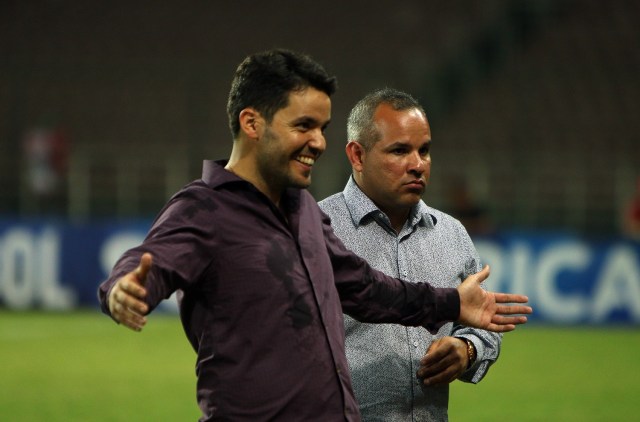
{"points": [[510, 298], [143, 268], [513, 309], [501, 324], [126, 317], [504, 320], [483, 274], [444, 373], [441, 378], [130, 302], [432, 370], [130, 286], [134, 322], [433, 356], [500, 328], [445, 377]]}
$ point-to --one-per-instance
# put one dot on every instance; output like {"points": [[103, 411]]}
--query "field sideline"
{"points": [[81, 367]]}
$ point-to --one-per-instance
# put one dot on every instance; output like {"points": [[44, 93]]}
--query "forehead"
{"points": [[408, 120], [308, 102], [409, 126]]}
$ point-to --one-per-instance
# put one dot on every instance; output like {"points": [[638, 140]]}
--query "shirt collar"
{"points": [[361, 206], [215, 175]]}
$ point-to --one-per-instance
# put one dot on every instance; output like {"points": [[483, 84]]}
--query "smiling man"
{"points": [[380, 215], [262, 278], [285, 148]]}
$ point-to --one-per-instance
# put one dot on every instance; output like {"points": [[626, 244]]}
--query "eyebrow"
{"points": [[311, 121], [403, 143]]}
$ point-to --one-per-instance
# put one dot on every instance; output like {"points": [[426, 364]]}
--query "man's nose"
{"points": [[317, 140], [418, 163]]}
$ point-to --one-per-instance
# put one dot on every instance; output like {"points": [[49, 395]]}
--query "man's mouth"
{"points": [[416, 182], [305, 160], [415, 186]]}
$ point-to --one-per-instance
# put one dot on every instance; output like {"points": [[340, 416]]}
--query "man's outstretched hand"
{"points": [[126, 298], [482, 309]]}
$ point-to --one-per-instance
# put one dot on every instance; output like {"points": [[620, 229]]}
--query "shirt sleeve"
{"points": [[371, 296], [487, 343], [177, 240]]}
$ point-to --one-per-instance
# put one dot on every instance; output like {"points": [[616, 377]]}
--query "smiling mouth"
{"points": [[306, 160]]}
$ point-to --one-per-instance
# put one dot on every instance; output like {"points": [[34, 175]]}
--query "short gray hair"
{"points": [[360, 125]]}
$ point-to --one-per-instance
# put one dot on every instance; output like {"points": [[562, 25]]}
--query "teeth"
{"points": [[306, 160]]}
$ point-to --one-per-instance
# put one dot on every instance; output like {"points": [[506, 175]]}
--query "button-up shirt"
{"points": [[431, 247], [262, 293]]}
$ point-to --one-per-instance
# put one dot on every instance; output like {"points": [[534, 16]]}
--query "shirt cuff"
{"points": [[446, 309]]}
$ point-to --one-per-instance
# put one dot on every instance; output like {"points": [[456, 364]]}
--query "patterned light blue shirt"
{"points": [[432, 247]]}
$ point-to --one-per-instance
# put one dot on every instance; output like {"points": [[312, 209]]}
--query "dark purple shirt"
{"points": [[262, 293]]}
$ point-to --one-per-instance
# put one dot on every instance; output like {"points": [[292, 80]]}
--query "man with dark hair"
{"points": [[264, 82], [261, 277], [380, 216]]}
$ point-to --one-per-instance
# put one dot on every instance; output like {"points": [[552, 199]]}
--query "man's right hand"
{"points": [[482, 309], [126, 298]]}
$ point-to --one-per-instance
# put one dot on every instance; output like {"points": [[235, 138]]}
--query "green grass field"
{"points": [[82, 367]]}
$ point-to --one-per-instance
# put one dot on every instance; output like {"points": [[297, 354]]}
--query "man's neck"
{"points": [[247, 172], [398, 222]]}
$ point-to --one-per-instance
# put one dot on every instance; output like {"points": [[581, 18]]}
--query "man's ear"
{"points": [[249, 119], [355, 153]]}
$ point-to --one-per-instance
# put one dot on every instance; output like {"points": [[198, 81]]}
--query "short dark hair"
{"points": [[265, 80], [360, 125]]}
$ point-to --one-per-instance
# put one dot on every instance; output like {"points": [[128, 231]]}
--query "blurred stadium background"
{"points": [[107, 108]]}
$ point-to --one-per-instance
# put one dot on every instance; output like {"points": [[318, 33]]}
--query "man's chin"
{"points": [[412, 198], [414, 194], [301, 183]]}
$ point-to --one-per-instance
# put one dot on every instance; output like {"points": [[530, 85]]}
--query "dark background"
{"points": [[533, 105]]}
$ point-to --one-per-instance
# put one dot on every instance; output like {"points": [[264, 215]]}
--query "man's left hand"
{"points": [[445, 361]]}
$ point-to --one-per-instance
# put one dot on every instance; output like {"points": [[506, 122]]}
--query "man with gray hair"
{"points": [[380, 215]]}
